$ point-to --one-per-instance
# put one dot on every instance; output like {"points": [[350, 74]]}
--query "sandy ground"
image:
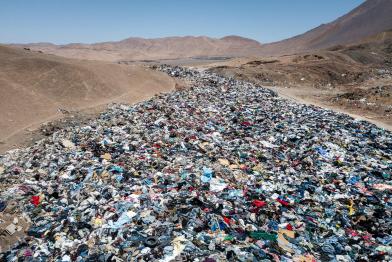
{"points": [[40, 128], [141, 89], [28, 134], [36, 88]]}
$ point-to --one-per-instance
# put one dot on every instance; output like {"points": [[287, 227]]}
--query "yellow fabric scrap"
{"points": [[224, 162], [282, 241], [351, 208], [107, 156], [306, 258], [98, 222]]}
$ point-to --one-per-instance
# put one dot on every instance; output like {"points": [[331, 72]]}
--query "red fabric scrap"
{"points": [[352, 232], [35, 200], [258, 203], [285, 203], [246, 123], [227, 220]]}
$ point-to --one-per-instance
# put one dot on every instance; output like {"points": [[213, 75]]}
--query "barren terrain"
{"points": [[355, 79], [141, 49], [36, 88]]}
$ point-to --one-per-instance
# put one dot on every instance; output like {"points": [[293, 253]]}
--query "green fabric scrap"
{"points": [[263, 235]]}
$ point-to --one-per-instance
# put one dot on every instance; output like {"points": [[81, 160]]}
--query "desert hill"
{"points": [[159, 48], [35, 87]]}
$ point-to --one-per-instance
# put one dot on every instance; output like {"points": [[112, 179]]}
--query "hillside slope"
{"points": [[372, 17], [34, 87]]}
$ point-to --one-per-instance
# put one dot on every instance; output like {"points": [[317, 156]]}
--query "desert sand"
{"points": [[36, 88]]}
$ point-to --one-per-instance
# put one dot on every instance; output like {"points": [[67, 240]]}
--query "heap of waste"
{"points": [[221, 171]]}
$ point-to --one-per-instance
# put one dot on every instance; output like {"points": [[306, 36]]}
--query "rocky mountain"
{"points": [[372, 17]]}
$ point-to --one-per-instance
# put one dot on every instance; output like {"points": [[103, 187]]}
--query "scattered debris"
{"points": [[205, 175]]}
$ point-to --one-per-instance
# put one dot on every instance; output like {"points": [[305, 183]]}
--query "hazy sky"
{"points": [[65, 21]]}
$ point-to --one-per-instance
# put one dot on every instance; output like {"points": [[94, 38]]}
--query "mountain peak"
{"points": [[369, 18]]}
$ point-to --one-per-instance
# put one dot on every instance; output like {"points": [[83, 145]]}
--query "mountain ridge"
{"points": [[153, 48], [367, 19]]}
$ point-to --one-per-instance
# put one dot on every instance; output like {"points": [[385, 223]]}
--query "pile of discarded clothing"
{"points": [[221, 171]]}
